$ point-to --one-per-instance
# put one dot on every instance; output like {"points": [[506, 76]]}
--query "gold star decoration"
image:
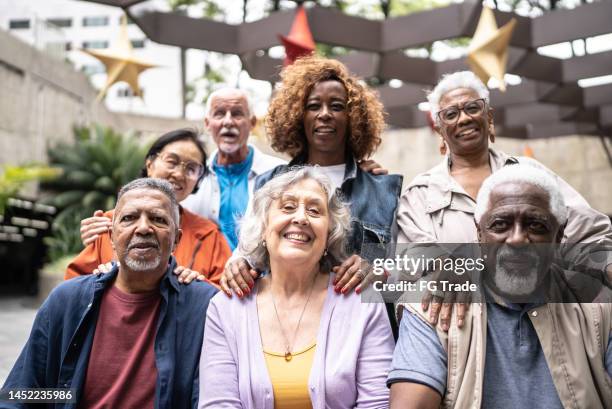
{"points": [[121, 63], [488, 50]]}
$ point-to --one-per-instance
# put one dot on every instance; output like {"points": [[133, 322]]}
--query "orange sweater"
{"points": [[202, 248]]}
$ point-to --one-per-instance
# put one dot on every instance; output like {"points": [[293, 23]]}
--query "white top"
{"points": [[335, 174], [207, 200]]}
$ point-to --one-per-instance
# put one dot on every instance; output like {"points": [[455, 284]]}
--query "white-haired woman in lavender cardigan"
{"points": [[296, 343]]}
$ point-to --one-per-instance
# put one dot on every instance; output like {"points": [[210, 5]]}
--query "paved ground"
{"points": [[16, 318]]}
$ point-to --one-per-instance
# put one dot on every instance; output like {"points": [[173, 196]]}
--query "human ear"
{"points": [[149, 166], [177, 237]]}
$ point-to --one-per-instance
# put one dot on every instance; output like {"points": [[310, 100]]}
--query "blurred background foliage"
{"points": [[14, 178], [94, 167]]}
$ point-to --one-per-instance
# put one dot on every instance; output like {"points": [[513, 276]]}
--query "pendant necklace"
{"points": [[288, 355]]}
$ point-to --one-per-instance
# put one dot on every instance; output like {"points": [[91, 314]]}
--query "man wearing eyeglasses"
{"points": [[438, 205], [224, 193]]}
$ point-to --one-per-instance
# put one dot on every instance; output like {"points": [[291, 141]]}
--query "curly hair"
{"points": [[285, 119]]}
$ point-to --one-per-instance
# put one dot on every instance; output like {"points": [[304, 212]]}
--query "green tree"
{"points": [[94, 168]]}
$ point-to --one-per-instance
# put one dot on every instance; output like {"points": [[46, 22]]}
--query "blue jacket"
{"points": [[57, 353], [373, 201]]}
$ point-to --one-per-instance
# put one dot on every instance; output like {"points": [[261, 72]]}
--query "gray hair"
{"points": [[160, 185], [226, 90], [449, 82], [530, 173], [255, 222]]}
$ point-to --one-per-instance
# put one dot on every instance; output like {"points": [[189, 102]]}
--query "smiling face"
{"points": [[326, 122], [469, 134], [229, 122], [518, 231], [298, 224], [167, 165], [144, 232]]}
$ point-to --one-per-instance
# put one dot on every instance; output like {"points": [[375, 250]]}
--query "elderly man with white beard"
{"points": [[524, 347], [130, 338]]}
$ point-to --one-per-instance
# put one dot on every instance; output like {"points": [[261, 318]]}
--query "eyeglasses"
{"points": [[170, 161], [450, 115]]}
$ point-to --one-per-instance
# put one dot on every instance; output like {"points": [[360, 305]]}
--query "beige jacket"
{"points": [[574, 339], [434, 208]]}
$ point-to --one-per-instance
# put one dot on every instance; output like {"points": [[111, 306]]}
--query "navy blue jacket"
{"points": [[57, 352], [373, 201]]}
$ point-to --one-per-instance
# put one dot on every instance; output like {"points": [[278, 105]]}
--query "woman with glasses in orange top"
{"points": [[178, 157]]}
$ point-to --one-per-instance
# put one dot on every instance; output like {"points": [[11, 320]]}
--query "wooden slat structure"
{"points": [[547, 103]]}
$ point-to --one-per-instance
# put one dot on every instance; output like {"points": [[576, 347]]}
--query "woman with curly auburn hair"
{"points": [[322, 115], [285, 122]]}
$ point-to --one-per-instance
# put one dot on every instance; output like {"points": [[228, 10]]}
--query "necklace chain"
{"points": [[289, 346]]}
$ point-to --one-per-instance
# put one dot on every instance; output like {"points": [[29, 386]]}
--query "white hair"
{"points": [[529, 173], [254, 224], [227, 90], [449, 82]]}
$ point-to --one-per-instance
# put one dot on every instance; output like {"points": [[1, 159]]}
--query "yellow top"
{"points": [[290, 378]]}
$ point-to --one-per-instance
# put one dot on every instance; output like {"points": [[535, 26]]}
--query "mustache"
{"points": [[521, 255], [232, 131], [138, 242]]}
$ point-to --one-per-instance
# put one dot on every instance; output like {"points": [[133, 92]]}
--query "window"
{"points": [[95, 21], [19, 24], [93, 69], [124, 92], [138, 43], [60, 22], [129, 20], [95, 44]]}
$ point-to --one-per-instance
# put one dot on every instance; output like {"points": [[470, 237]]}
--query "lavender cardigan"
{"points": [[349, 370]]}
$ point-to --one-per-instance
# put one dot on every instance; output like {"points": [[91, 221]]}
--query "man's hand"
{"points": [[92, 227], [238, 276], [371, 166], [186, 276]]}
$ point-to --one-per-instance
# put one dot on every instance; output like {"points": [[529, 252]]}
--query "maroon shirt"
{"points": [[121, 372]]}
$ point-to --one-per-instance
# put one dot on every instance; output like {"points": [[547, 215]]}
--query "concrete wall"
{"points": [[580, 160], [41, 98]]}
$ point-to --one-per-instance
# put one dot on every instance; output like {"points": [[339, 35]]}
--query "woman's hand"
{"points": [[442, 303], [350, 274], [371, 166], [92, 227], [238, 276], [186, 275], [105, 268]]}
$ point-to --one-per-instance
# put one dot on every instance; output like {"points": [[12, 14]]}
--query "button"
{"points": [[534, 313]]}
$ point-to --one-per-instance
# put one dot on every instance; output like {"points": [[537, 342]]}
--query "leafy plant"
{"points": [[13, 178], [94, 168]]}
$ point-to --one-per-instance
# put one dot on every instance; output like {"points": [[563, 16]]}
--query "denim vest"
{"points": [[372, 200]]}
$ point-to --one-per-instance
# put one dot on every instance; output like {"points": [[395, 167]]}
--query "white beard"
{"points": [[515, 283], [141, 265]]}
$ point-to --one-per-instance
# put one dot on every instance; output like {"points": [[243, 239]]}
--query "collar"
{"points": [[258, 167], [441, 185], [349, 160], [103, 280]]}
